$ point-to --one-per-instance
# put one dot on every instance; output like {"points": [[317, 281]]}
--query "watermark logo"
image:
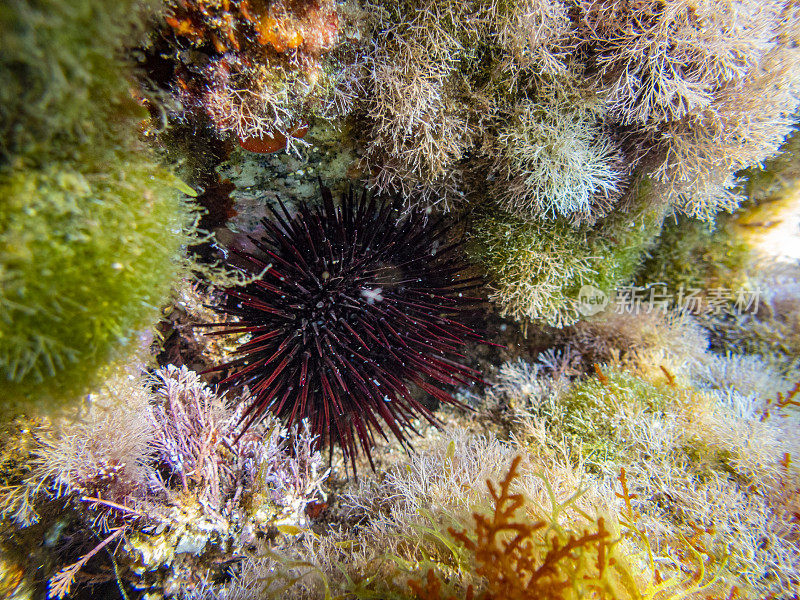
{"points": [[655, 297], [591, 300]]}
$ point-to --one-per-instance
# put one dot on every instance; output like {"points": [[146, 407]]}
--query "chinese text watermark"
{"points": [[656, 297]]}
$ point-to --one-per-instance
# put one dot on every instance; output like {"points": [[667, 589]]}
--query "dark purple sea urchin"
{"points": [[358, 302]]}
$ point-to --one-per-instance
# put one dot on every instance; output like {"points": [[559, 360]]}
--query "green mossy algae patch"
{"points": [[92, 228], [692, 254], [62, 76], [537, 268], [591, 408], [86, 259]]}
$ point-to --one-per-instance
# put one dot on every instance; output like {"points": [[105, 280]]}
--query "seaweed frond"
{"points": [[523, 558], [60, 584], [783, 400]]}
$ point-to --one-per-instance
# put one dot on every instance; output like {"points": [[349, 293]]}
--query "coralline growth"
{"points": [[257, 69]]}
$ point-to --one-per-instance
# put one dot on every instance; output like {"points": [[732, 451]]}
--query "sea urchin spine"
{"points": [[358, 302]]}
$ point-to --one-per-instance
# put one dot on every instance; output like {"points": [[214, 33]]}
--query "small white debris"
{"points": [[372, 295]]}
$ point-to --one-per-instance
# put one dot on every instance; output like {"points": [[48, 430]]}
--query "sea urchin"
{"points": [[358, 303]]}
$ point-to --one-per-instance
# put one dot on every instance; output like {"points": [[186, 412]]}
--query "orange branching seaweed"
{"points": [[789, 399], [517, 564], [505, 564], [432, 589], [523, 559], [783, 400], [670, 377], [629, 517], [600, 375]]}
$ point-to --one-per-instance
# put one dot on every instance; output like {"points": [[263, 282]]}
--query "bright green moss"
{"points": [[92, 230], [62, 81], [537, 269], [591, 408], [690, 254], [86, 258], [620, 241]]}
